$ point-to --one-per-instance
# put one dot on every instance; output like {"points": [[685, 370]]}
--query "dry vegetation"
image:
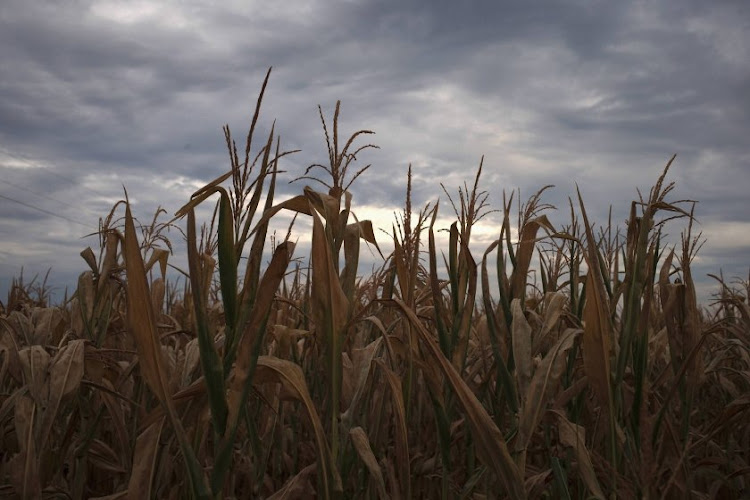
{"points": [[273, 380]]}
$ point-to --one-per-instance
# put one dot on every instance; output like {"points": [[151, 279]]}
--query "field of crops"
{"points": [[276, 375]]}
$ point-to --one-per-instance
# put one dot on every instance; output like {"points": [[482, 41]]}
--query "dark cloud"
{"points": [[95, 95]]}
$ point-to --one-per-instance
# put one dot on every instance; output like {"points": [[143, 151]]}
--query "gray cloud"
{"points": [[96, 95]]}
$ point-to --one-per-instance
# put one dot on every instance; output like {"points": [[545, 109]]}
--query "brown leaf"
{"points": [[329, 302], [158, 290], [490, 443], [142, 326], [202, 194], [296, 487], [24, 467], [116, 415], [330, 312], [364, 228], [10, 402], [362, 445], [65, 377], [521, 347], [269, 284], [362, 366], [83, 308], [467, 297], [48, 324], [328, 206], [286, 340], [547, 378], [90, 258], [537, 483], [289, 374], [103, 457], [554, 305], [141, 317], [35, 362], [574, 436], [110, 260], [526, 243], [161, 256], [144, 462], [400, 432], [21, 325], [192, 358], [10, 364], [299, 204], [597, 331]]}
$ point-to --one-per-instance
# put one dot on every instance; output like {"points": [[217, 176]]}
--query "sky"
{"points": [[97, 96]]}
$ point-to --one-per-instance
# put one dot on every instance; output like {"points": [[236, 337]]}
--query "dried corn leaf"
{"points": [[24, 466], [521, 348], [362, 370], [202, 194], [526, 244], [35, 362], [22, 326], [468, 292], [362, 445], [161, 256], [547, 377], [109, 262], [66, 372], [10, 363], [574, 436], [158, 290], [490, 443], [596, 342], [48, 324], [401, 436], [144, 462], [254, 329], [192, 358], [88, 255], [330, 311], [116, 414], [296, 487], [141, 317], [211, 363], [299, 204], [142, 325], [289, 374], [104, 458], [554, 306], [597, 331]]}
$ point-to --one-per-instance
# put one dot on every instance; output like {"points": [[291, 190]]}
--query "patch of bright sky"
{"points": [[727, 235], [140, 11]]}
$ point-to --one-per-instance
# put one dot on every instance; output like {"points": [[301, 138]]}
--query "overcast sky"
{"points": [[95, 95]]}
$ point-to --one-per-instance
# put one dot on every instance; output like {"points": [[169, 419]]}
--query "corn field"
{"points": [[444, 374]]}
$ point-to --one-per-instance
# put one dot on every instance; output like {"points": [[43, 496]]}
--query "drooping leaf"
{"points": [[401, 436], [574, 436], [144, 462], [488, 439], [547, 378], [521, 348], [362, 445], [65, 374], [289, 374], [142, 326]]}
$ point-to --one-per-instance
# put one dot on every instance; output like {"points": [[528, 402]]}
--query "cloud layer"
{"points": [[97, 95]]}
